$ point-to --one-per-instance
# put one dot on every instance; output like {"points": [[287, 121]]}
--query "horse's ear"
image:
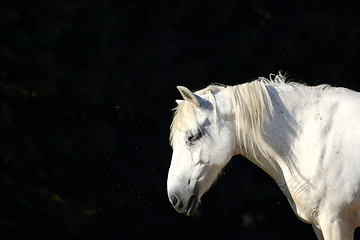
{"points": [[190, 96]]}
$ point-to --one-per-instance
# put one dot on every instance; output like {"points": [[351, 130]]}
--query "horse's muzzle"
{"points": [[188, 207]]}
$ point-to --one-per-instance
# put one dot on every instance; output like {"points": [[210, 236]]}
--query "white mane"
{"points": [[253, 107]]}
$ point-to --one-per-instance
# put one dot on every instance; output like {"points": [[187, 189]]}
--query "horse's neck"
{"points": [[280, 133]]}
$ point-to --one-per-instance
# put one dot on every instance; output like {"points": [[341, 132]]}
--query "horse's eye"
{"points": [[194, 138]]}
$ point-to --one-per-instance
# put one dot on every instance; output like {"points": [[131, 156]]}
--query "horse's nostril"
{"points": [[174, 200]]}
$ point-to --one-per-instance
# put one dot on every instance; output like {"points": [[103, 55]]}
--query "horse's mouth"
{"points": [[192, 205]]}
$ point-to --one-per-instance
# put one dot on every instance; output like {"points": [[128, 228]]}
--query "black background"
{"points": [[86, 92]]}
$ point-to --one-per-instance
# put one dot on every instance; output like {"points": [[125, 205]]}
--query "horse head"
{"points": [[203, 141]]}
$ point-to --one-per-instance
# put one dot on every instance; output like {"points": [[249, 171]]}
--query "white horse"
{"points": [[306, 138]]}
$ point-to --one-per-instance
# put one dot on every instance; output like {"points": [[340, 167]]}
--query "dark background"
{"points": [[86, 92]]}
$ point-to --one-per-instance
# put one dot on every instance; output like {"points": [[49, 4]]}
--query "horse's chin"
{"points": [[192, 205]]}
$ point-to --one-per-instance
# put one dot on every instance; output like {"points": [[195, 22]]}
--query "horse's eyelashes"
{"points": [[195, 137]]}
